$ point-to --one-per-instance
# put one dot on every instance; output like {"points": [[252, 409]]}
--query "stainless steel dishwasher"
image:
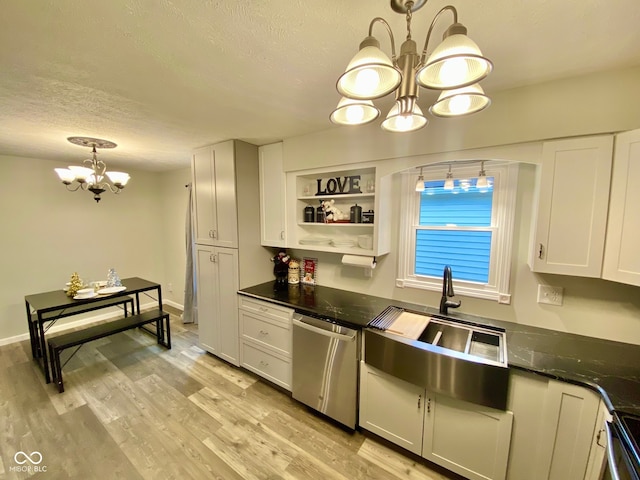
{"points": [[325, 368]]}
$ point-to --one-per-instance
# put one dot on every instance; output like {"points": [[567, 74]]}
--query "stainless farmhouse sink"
{"points": [[457, 358]]}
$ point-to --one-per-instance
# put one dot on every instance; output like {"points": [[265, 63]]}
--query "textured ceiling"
{"points": [[161, 77]]}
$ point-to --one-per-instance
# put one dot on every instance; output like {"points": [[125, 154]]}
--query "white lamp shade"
{"points": [[455, 63], [397, 122], [354, 112], [481, 182], [81, 173], [65, 175], [93, 180], [420, 184], [370, 74], [461, 101], [118, 178]]}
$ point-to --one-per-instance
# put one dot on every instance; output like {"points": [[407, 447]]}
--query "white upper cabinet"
{"points": [[622, 255], [572, 208], [272, 196], [214, 186]]}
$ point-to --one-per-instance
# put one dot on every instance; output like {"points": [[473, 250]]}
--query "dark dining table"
{"points": [[45, 309]]}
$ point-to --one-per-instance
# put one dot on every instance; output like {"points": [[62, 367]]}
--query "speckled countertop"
{"points": [[611, 368]]}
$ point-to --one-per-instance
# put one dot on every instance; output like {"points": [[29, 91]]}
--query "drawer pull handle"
{"points": [[263, 309], [263, 363], [264, 332]]}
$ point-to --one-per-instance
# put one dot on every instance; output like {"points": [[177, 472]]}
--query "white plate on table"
{"points": [[85, 296], [110, 290]]}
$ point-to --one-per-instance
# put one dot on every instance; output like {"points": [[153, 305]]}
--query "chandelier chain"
{"points": [[409, 6]]}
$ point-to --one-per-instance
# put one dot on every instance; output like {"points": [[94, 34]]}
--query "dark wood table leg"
{"points": [[43, 349], [33, 336]]}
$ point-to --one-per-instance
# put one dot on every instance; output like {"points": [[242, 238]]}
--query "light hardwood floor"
{"points": [[134, 410]]}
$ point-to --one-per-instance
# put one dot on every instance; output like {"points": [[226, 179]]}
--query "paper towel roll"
{"points": [[359, 261]]}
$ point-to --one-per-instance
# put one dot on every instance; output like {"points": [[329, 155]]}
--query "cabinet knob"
{"points": [[428, 405], [540, 251], [212, 257]]}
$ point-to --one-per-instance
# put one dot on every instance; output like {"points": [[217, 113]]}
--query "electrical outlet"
{"points": [[550, 295]]}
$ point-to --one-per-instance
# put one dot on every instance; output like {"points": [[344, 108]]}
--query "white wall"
{"points": [[48, 233], [175, 197], [592, 104]]}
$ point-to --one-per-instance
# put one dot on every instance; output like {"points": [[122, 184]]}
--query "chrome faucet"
{"points": [[447, 291]]}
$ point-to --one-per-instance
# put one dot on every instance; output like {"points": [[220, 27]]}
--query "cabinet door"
{"points": [[204, 195], [272, 196], [568, 420], [391, 408], [622, 255], [468, 439], [572, 207], [598, 452], [226, 260], [207, 298], [226, 211]]}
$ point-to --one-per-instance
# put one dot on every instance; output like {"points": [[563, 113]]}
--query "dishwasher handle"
{"points": [[299, 322]]}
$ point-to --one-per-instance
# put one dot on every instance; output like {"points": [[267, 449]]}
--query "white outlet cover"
{"points": [[550, 295]]}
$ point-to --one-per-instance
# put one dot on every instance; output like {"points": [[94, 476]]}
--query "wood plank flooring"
{"points": [[134, 410]]}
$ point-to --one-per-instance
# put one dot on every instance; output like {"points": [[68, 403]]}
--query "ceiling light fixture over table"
{"points": [[455, 66], [91, 175]]}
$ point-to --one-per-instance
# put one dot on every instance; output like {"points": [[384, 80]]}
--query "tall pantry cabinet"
{"points": [[228, 255]]}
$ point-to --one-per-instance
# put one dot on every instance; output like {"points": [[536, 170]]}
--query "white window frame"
{"points": [[502, 224]]}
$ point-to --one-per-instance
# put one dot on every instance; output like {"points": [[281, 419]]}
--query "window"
{"points": [[466, 227]]}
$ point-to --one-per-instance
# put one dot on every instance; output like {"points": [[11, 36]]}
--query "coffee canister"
{"points": [[309, 213], [320, 214], [355, 214]]}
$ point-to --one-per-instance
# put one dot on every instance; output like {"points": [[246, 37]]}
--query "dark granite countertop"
{"points": [[611, 368]]}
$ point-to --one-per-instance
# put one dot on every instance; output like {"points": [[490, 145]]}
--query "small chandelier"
{"points": [[91, 175], [455, 67]]}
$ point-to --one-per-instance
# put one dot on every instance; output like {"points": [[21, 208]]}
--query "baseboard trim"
{"points": [[79, 323]]}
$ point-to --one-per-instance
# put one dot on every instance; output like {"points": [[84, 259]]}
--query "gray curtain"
{"points": [[190, 314]]}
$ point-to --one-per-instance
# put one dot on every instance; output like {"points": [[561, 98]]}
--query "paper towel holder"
{"points": [[367, 263]]}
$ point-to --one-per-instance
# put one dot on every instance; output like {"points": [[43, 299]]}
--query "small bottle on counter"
{"points": [[294, 272]]}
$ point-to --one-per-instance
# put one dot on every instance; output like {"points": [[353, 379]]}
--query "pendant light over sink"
{"points": [[455, 66], [90, 176]]}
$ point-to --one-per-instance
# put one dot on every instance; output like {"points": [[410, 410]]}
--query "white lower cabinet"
{"points": [[265, 340], [465, 438], [391, 408], [555, 428], [568, 422], [598, 451], [217, 284]]}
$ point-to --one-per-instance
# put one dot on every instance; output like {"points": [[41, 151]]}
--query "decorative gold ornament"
{"points": [[74, 285]]}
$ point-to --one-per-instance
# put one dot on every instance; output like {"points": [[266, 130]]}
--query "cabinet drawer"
{"points": [[271, 367], [267, 310], [265, 331]]}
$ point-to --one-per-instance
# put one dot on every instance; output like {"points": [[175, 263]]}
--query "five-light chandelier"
{"points": [[455, 67], [91, 175]]}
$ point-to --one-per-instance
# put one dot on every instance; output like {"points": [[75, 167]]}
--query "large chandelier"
{"points": [[90, 176], [455, 66]]}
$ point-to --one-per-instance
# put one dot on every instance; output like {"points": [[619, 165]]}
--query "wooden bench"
{"points": [[79, 337]]}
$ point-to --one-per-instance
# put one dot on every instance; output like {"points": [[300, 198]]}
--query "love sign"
{"points": [[334, 185]]}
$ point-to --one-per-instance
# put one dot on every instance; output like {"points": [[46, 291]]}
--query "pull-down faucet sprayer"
{"points": [[447, 291]]}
